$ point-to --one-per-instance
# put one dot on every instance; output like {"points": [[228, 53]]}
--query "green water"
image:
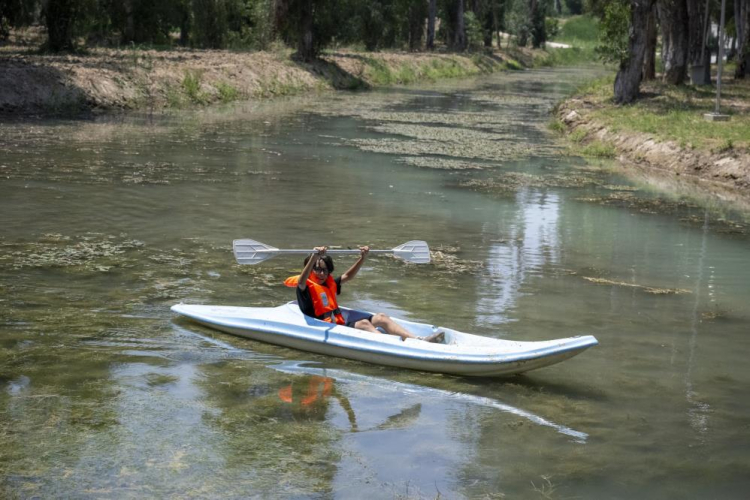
{"points": [[104, 393]]}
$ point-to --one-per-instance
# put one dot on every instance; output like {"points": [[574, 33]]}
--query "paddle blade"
{"points": [[252, 252], [416, 252]]}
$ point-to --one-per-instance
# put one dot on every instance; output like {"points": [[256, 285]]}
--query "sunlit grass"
{"points": [[582, 34], [566, 57], [676, 113], [381, 73], [579, 31]]}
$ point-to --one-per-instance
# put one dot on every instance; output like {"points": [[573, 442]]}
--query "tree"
{"points": [[210, 23], [630, 72], [674, 26], [575, 7], [518, 21], [742, 18], [306, 43], [60, 18], [649, 59], [16, 13], [431, 14], [416, 13], [474, 33], [614, 32], [698, 56], [499, 8], [537, 15], [459, 40], [310, 25]]}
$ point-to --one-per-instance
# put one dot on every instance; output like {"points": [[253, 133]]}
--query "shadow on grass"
{"points": [[44, 84], [334, 74]]}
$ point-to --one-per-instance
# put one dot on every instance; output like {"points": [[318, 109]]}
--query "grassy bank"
{"points": [[664, 113], [670, 113], [107, 79], [579, 31], [581, 34], [665, 129]]}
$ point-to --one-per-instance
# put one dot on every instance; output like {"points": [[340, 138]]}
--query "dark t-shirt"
{"points": [[304, 299]]}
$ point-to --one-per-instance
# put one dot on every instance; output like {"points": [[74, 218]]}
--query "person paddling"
{"points": [[317, 291]]}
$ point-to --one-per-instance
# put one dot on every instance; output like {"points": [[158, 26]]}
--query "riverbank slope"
{"points": [[665, 130], [103, 79]]}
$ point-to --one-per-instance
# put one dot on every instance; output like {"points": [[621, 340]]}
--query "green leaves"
{"points": [[613, 33]]}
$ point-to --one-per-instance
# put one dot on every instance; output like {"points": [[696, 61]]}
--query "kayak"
{"points": [[460, 354]]}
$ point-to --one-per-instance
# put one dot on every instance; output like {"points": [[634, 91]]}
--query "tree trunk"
{"points": [[129, 34], [738, 19], [649, 58], [674, 24], [558, 7], [628, 79], [459, 42], [743, 46], [184, 16], [280, 9], [416, 25], [306, 42], [431, 14], [538, 29], [59, 18], [488, 27], [698, 55]]}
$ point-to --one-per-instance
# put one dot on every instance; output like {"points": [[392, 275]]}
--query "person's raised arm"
{"points": [[317, 254], [352, 271]]}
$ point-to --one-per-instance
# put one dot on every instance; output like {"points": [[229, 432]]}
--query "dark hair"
{"points": [[326, 258]]}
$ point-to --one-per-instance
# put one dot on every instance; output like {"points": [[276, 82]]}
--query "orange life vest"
{"points": [[323, 298]]}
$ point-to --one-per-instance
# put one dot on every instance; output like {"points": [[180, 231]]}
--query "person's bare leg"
{"points": [[393, 328], [365, 325]]}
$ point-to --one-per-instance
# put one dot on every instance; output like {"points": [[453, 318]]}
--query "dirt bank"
{"points": [[114, 79], [719, 168]]}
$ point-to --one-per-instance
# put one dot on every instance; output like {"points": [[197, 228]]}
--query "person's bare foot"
{"points": [[435, 338]]}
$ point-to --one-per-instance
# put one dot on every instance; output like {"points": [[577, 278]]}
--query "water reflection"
{"points": [[366, 383], [699, 411], [532, 242], [102, 395], [307, 398]]}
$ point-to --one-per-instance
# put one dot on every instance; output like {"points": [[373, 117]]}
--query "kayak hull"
{"points": [[461, 354]]}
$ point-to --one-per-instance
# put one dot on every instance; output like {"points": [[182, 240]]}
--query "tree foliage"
{"points": [[613, 33], [312, 25]]}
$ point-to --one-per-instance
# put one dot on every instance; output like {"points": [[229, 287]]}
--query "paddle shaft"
{"points": [[248, 251], [300, 251]]}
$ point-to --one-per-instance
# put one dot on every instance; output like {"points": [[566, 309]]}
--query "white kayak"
{"points": [[461, 354]]}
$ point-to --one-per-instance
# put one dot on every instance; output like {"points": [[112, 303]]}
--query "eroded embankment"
{"points": [[717, 169], [113, 79]]}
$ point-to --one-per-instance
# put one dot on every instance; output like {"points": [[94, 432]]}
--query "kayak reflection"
{"points": [[363, 382], [306, 399]]}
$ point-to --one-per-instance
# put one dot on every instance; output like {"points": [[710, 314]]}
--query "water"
{"points": [[104, 393]]}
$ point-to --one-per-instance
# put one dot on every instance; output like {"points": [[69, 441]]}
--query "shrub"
{"points": [[191, 84]]}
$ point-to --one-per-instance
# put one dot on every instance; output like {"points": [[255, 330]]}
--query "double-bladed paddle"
{"points": [[255, 252]]}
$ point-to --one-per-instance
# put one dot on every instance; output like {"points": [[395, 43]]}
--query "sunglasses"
{"points": [[320, 269]]}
